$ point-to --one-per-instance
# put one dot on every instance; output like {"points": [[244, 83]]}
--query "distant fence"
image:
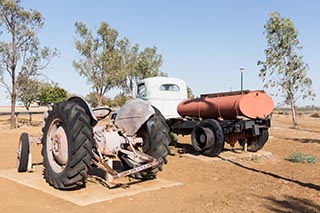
{"points": [[21, 113]]}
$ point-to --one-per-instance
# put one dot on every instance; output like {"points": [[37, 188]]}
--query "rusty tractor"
{"points": [[73, 143]]}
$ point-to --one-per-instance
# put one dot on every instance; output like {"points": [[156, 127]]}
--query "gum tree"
{"points": [[284, 68], [100, 61], [20, 50]]}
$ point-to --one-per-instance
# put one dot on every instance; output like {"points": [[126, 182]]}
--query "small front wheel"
{"points": [[23, 152]]}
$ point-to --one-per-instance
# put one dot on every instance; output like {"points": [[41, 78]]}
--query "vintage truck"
{"points": [[212, 119]]}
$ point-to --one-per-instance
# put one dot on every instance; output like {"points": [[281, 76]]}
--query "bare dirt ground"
{"points": [[259, 184]]}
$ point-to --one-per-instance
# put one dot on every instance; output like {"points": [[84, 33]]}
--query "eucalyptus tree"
{"points": [[284, 68], [149, 63], [27, 90], [108, 62], [100, 58], [20, 50], [129, 65]]}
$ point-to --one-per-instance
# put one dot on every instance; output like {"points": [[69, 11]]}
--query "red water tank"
{"points": [[229, 105]]}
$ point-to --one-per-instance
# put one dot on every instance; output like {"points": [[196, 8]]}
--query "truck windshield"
{"points": [[141, 90], [169, 87]]}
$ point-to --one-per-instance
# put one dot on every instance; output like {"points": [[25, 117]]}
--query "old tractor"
{"points": [[73, 142]]}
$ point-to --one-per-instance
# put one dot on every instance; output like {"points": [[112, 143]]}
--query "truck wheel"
{"points": [[67, 146], [208, 138], [23, 152], [256, 143], [156, 140]]}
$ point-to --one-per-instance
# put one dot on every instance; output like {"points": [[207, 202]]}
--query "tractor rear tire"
{"points": [[67, 146], [23, 152], [156, 139]]}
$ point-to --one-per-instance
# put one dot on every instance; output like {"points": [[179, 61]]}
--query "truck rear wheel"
{"points": [[156, 139], [67, 146], [256, 143], [208, 138]]}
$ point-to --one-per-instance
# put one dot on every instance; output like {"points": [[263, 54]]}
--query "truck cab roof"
{"points": [[164, 93]]}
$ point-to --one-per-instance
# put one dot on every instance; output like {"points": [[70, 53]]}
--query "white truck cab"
{"points": [[164, 93]]}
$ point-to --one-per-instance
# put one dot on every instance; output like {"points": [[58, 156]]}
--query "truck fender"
{"points": [[84, 104], [132, 115]]}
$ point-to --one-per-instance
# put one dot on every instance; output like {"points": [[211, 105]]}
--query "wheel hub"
{"points": [[201, 138], [60, 146], [57, 146]]}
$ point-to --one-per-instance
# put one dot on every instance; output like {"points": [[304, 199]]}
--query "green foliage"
{"points": [[28, 90], [51, 94], [174, 138], [149, 62], [117, 101], [92, 99], [298, 157], [284, 69], [100, 61], [120, 99], [129, 65], [189, 92], [109, 62]]}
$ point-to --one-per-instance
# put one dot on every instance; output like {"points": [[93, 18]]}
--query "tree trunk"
{"points": [[13, 106], [13, 94], [293, 110], [100, 100]]}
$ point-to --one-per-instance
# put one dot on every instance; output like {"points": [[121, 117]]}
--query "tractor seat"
{"points": [[101, 112]]}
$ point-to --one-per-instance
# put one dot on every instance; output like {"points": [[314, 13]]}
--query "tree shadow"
{"points": [[292, 204], [26, 122], [22, 122], [304, 140], [306, 185], [306, 130]]}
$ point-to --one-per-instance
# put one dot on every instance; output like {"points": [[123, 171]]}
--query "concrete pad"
{"points": [[232, 155], [94, 192]]}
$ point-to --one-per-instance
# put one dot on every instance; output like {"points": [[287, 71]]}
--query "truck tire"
{"points": [[256, 143], [214, 144], [23, 152], [156, 139], [67, 146]]}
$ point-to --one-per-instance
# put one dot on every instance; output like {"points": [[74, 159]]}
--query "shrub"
{"points": [[315, 115], [298, 157]]}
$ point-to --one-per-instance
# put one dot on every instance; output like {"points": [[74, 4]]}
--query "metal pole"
{"points": [[241, 71]]}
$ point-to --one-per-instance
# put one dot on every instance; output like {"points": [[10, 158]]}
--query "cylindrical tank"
{"points": [[229, 105]]}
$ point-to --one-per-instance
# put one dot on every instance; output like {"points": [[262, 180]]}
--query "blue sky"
{"points": [[202, 42]]}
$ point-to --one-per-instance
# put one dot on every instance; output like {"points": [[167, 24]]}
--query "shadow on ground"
{"points": [[305, 140], [291, 204], [186, 149], [97, 175], [306, 185]]}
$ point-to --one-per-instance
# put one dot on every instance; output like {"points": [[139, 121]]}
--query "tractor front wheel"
{"points": [[23, 152]]}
